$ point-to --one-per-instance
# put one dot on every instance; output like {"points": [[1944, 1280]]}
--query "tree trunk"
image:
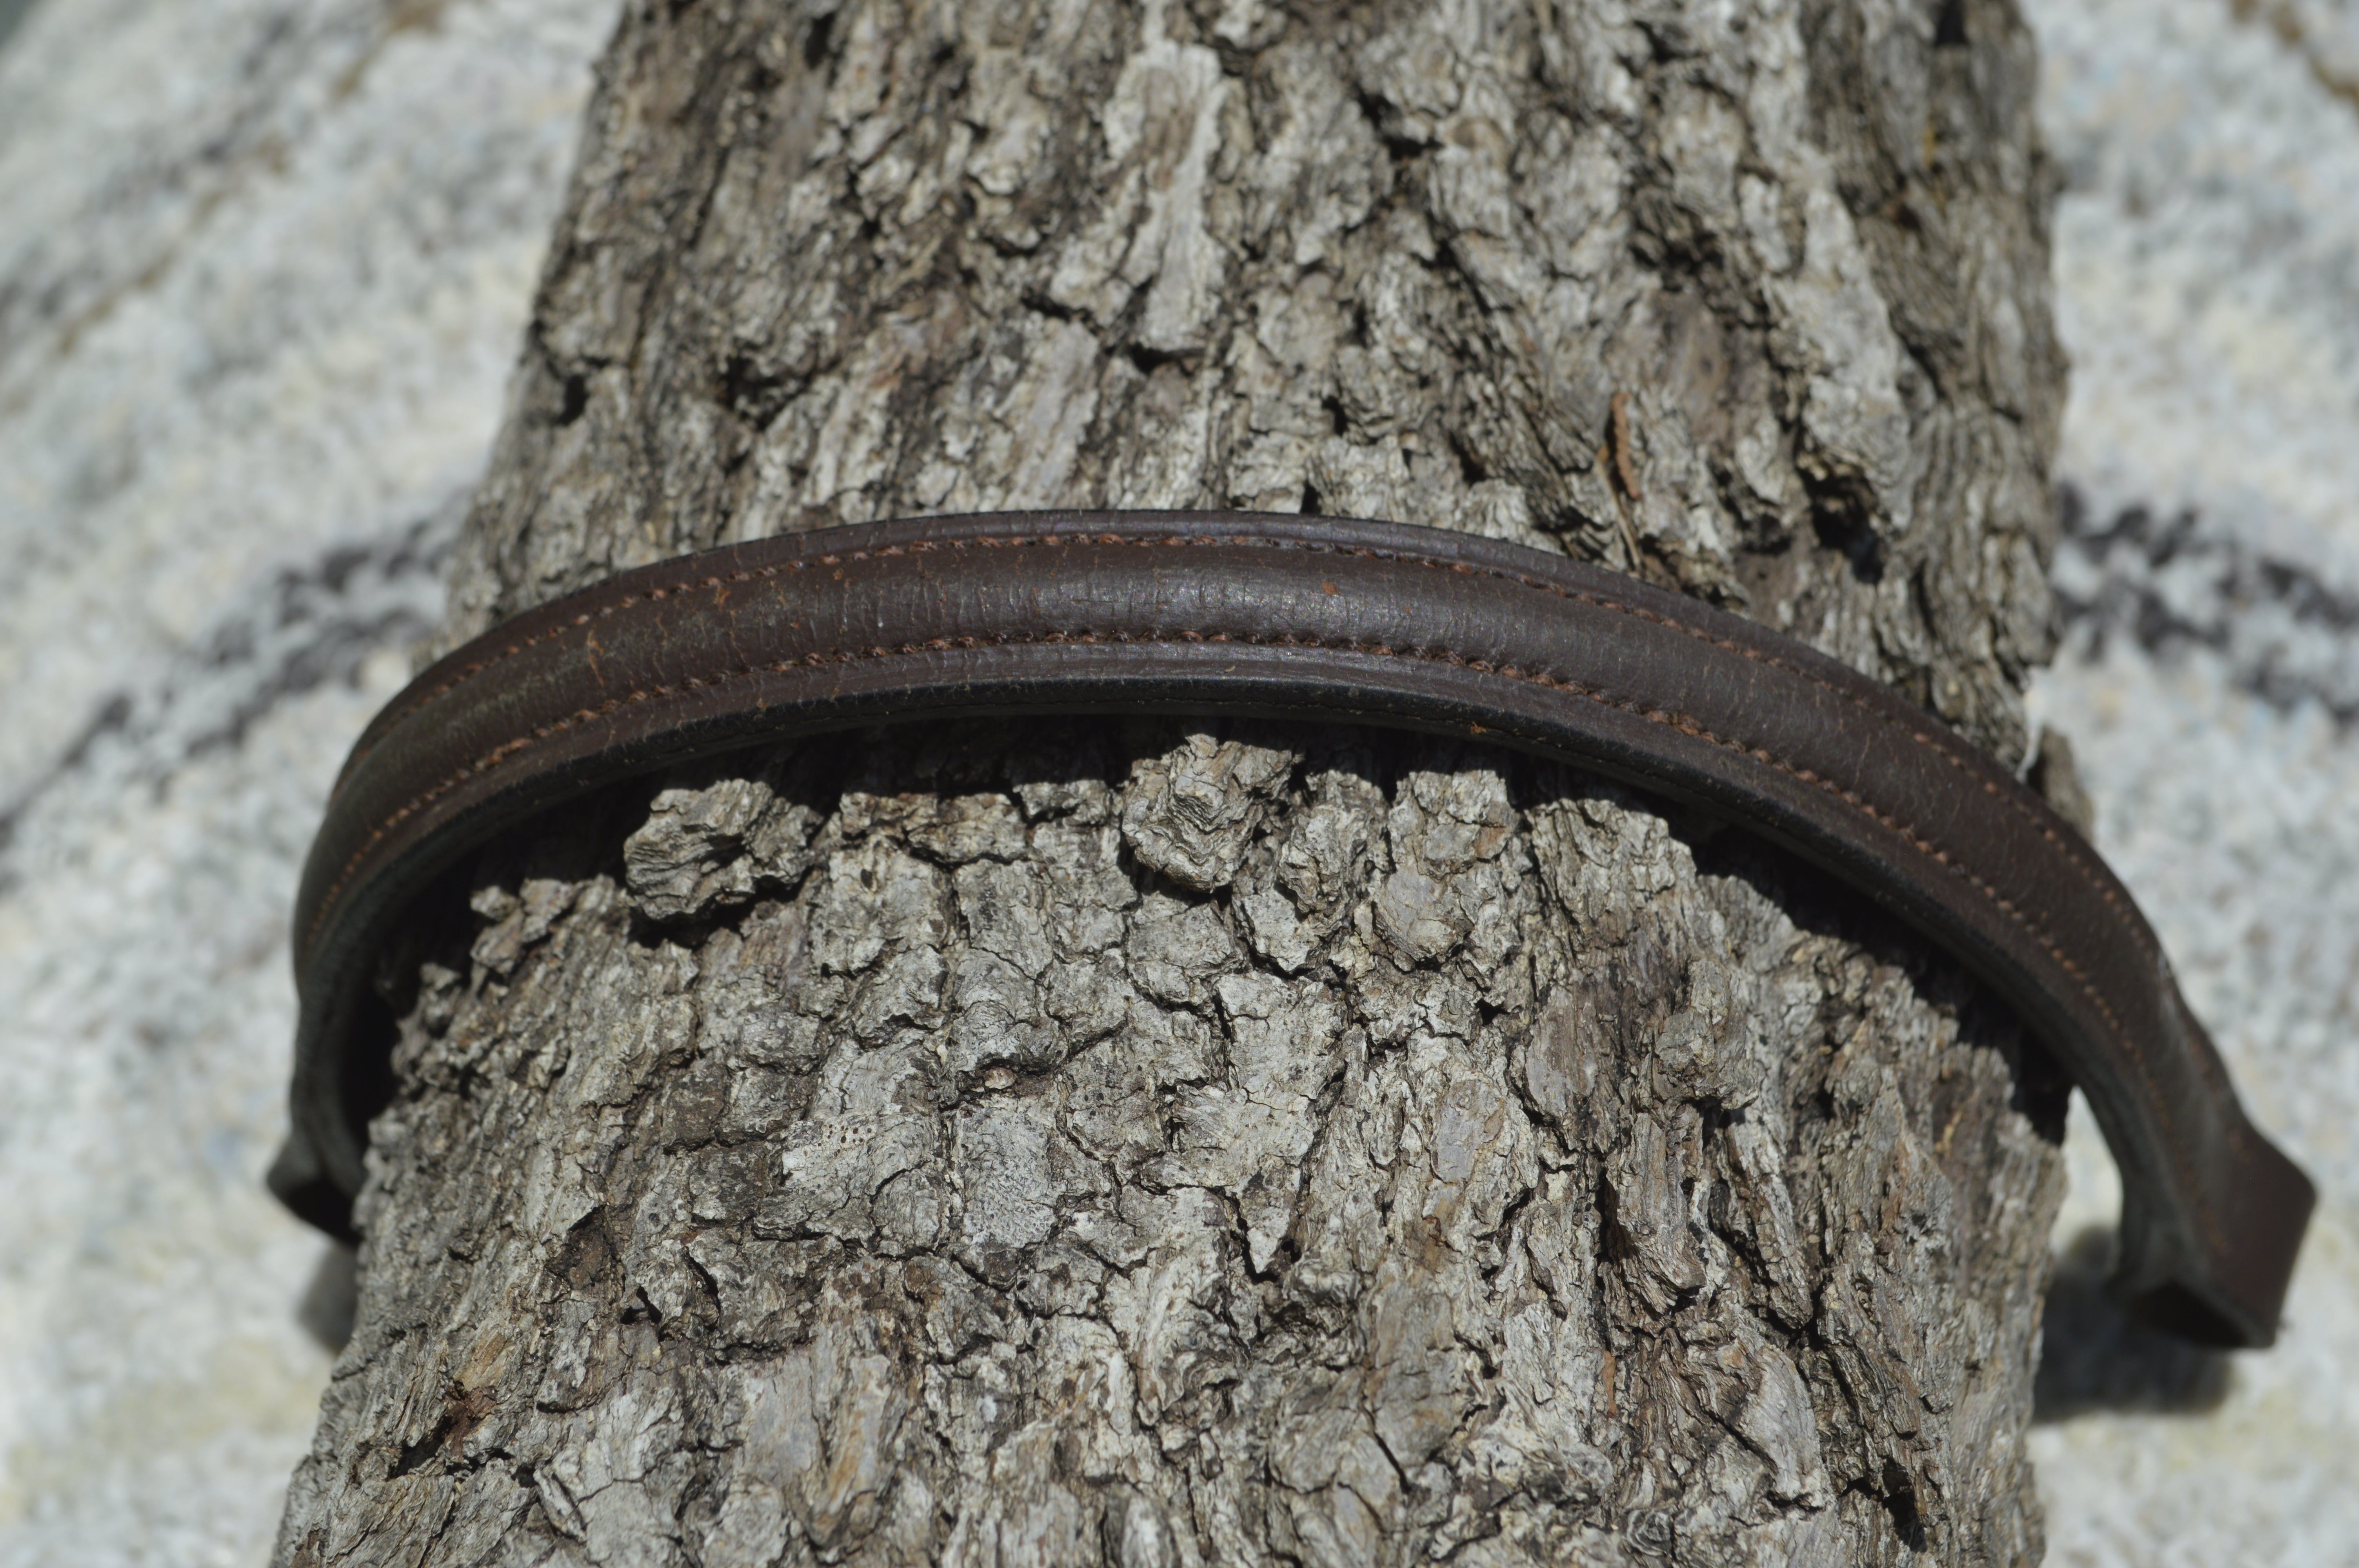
{"points": [[1132, 1143]]}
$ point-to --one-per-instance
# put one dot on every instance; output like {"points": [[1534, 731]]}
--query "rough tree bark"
{"points": [[1118, 1142]]}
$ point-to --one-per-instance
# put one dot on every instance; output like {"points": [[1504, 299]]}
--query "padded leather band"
{"points": [[1311, 617]]}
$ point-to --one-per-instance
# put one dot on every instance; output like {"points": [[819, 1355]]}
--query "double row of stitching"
{"points": [[500, 753], [2097, 883], [2074, 853]]}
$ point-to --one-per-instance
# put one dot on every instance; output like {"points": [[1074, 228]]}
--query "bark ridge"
{"points": [[1038, 1147], [1120, 1144]]}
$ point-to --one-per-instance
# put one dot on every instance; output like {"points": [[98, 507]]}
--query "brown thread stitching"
{"points": [[1682, 722], [385, 723], [2072, 853]]}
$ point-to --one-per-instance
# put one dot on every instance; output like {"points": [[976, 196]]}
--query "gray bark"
{"points": [[1135, 1143]]}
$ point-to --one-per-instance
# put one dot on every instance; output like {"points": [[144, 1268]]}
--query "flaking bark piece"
{"points": [[1190, 813], [709, 843]]}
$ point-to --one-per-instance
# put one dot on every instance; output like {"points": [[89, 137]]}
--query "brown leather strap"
{"points": [[1313, 617]]}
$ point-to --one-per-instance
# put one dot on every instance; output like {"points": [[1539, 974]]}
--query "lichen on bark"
{"points": [[1145, 1143]]}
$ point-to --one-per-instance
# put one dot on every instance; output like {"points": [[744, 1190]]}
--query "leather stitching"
{"points": [[1681, 722], [2073, 852]]}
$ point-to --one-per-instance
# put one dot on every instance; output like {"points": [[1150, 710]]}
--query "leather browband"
{"points": [[1301, 618]]}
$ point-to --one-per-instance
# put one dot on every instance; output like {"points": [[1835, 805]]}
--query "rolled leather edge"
{"points": [[1319, 618]]}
